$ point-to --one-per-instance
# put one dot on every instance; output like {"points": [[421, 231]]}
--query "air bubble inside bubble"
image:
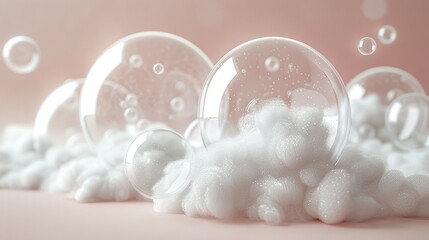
{"points": [[158, 69], [272, 64], [136, 61]]}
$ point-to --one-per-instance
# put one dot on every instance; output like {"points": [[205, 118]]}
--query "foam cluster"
{"points": [[279, 169], [74, 170]]}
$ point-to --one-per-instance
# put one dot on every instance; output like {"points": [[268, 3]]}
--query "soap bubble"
{"points": [[275, 68], [148, 77], [387, 83], [371, 92], [366, 46], [57, 121], [387, 34], [153, 155], [21, 54], [407, 121]]}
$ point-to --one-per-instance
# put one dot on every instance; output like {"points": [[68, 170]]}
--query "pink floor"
{"points": [[38, 215]]}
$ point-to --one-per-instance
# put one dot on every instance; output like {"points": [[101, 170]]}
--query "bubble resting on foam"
{"points": [[271, 172], [277, 176]]}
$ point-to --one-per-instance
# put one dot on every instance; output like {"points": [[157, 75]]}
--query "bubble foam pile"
{"points": [[274, 171], [74, 170]]}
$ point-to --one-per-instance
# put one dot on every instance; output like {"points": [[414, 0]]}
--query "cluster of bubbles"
{"points": [[386, 35], [274, 69], [399, 97], [154, 77]]}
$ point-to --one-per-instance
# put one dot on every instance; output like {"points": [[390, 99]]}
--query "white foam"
{"points": [[276, 170]]}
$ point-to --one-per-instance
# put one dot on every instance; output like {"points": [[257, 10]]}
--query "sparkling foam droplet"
{"points": [[387, 34], [21, 54], [136, 61], [367, 46], [158, 69], [272, 64]]}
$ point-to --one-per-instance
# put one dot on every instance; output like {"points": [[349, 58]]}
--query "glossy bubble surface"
{"points": [[153, 155], [266, 69], [387, 34], [386, 82], [57, 121], [371, 92], [142, 79], [21, 54], [366, 46], [407, 121]]}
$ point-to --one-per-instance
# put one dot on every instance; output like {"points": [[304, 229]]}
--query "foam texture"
{"points": [[277, 170]]}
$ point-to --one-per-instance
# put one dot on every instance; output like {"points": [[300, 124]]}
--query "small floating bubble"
{"points": [[387, 34], [21, 54], [158, 69], [367, 46], [272, 64]]}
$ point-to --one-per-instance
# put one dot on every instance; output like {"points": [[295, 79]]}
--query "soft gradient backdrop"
{"points": [[71, 34]]}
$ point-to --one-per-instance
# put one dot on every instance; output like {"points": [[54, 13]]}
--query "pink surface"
{"points": [[37, 215], [71, 35]]}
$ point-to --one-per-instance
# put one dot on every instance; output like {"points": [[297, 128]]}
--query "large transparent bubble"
{"points": [[407, 122], [155, 163], [57, 121], [143, 79], [270, 70], [370, 93]]}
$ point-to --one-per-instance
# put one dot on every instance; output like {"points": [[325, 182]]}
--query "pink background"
{"points": [[72, 34]]}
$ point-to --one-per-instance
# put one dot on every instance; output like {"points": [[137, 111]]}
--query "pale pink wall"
{"points": [[71, 35]]}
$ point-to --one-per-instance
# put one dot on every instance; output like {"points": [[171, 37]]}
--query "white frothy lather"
{"points": [[263, 174]]}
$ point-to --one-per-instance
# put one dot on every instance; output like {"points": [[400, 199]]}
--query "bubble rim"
{"points": [[35, 58], [379, 69]]}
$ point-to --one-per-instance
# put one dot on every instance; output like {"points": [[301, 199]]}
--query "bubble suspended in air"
{"points": [[387, 34], [21, 54], [407, 121], [367, 46]]}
